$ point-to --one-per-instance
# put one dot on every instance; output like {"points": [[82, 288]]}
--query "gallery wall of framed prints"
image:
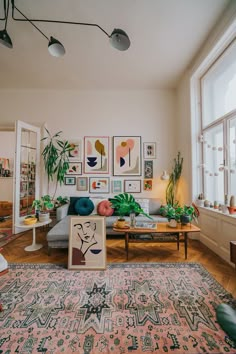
{"points": [[103, 164]]}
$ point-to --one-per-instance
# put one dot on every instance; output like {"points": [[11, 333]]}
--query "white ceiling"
{"points": [[165, 36]]}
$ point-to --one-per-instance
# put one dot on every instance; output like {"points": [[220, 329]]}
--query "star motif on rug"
{"points": [[190, 304], [144, 303], [96, 301]]}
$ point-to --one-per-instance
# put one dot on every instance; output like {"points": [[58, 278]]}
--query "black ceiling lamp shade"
{"points": [[4, 36], [5, 39], [118, 38]]}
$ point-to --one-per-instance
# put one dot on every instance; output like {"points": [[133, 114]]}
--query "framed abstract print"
{"points": [[87, 243], [132, 186], [82, 184], [75, 168], [96, 154], [116, 186], [127, 156], [69, 181], [76, 152], [147, 185], [99, 185], [149, 150], [148, 169]]}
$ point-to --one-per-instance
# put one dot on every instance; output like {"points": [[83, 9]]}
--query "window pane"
{"points": [[219, 87], [213, 164], [232, 157]]}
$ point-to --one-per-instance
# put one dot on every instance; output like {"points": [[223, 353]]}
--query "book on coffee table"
{"points": [[145, 225]]}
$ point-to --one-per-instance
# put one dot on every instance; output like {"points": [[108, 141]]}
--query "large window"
{"points": [[218, 106]]}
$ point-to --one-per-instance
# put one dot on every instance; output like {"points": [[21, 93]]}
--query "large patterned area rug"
{"points": [[6, 232], [127, 308]]}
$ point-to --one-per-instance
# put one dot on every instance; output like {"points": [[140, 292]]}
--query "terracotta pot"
{"points": [[232, 210]]}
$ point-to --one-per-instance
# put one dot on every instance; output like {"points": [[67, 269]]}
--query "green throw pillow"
{"points": [[84, 206], [226, 316]]}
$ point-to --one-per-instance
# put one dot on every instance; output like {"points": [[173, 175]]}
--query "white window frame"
{"points": [[195, 93]]}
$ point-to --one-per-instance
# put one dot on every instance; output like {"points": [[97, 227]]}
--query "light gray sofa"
{"points": [[58, 236]]}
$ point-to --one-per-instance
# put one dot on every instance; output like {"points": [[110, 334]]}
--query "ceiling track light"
{"points": [[118, 38]]}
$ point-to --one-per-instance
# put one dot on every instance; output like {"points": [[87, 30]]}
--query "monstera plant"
{"points": [[125, 204]]}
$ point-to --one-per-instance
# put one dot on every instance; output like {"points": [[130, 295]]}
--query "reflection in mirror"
{"points": [[27, 171], [27, 167]]}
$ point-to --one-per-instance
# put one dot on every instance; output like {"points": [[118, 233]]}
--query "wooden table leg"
{"points": [[186, 244], [178, 241], [127, 245]]}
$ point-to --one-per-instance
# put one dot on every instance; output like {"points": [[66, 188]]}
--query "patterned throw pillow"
{"points": [[144, 204]]}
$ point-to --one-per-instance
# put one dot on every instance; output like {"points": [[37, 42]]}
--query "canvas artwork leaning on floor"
{"points": [[87, 243]]}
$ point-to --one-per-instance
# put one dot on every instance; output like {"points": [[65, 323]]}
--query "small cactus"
{"points": [[232, 201]]}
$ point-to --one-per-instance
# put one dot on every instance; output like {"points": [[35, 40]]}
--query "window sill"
{"points": [[218, 214]]}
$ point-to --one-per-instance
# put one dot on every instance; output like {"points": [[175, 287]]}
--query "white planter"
{"points": [[172, 223], [43, 216]]}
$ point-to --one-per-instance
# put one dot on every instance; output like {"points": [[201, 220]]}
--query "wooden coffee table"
{"points": [[161, 228]]}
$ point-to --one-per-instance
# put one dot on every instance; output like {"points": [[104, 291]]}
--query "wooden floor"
{"points": [[139, 252]]}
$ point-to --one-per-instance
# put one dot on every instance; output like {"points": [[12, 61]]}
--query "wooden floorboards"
{"points": [[138, 252]]}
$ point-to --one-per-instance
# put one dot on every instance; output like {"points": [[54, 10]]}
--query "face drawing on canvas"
{"points": [[86, 242]]}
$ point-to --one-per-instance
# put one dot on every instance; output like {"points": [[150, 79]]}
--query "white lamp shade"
{"points": [[55, 48], [119, 39]]}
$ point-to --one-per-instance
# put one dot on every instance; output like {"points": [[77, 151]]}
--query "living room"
{"points": [[95, 91]]}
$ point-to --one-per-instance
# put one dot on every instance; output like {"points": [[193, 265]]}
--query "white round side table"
{"points": [[34, 246]]}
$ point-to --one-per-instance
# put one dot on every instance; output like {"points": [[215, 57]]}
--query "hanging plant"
{"points": [[173, 181]]}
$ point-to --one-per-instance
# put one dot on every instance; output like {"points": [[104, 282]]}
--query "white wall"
{"points": [[150, 114], [7, 146]]}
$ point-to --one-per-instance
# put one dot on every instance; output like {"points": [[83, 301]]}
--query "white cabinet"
{"points": [[217, 230]]}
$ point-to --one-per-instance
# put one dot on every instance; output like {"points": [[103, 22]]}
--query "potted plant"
{"points": [[56, 158], [181, 214], [42, 207], [60, 201], [125, 204], [171, 213], [188, 213]]}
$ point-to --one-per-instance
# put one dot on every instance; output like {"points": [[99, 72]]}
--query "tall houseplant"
{"points": [[173, 181], [56, 158]]}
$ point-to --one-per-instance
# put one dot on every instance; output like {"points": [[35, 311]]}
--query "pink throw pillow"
{"points": [[104, 208]]}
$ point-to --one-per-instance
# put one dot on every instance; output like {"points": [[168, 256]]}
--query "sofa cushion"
{"points": [[154, 206], [104, 208], [71, 209], [84, 206]]}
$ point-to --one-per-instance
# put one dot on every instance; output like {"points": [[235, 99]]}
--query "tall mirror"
{"points": [[26, 170]]}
